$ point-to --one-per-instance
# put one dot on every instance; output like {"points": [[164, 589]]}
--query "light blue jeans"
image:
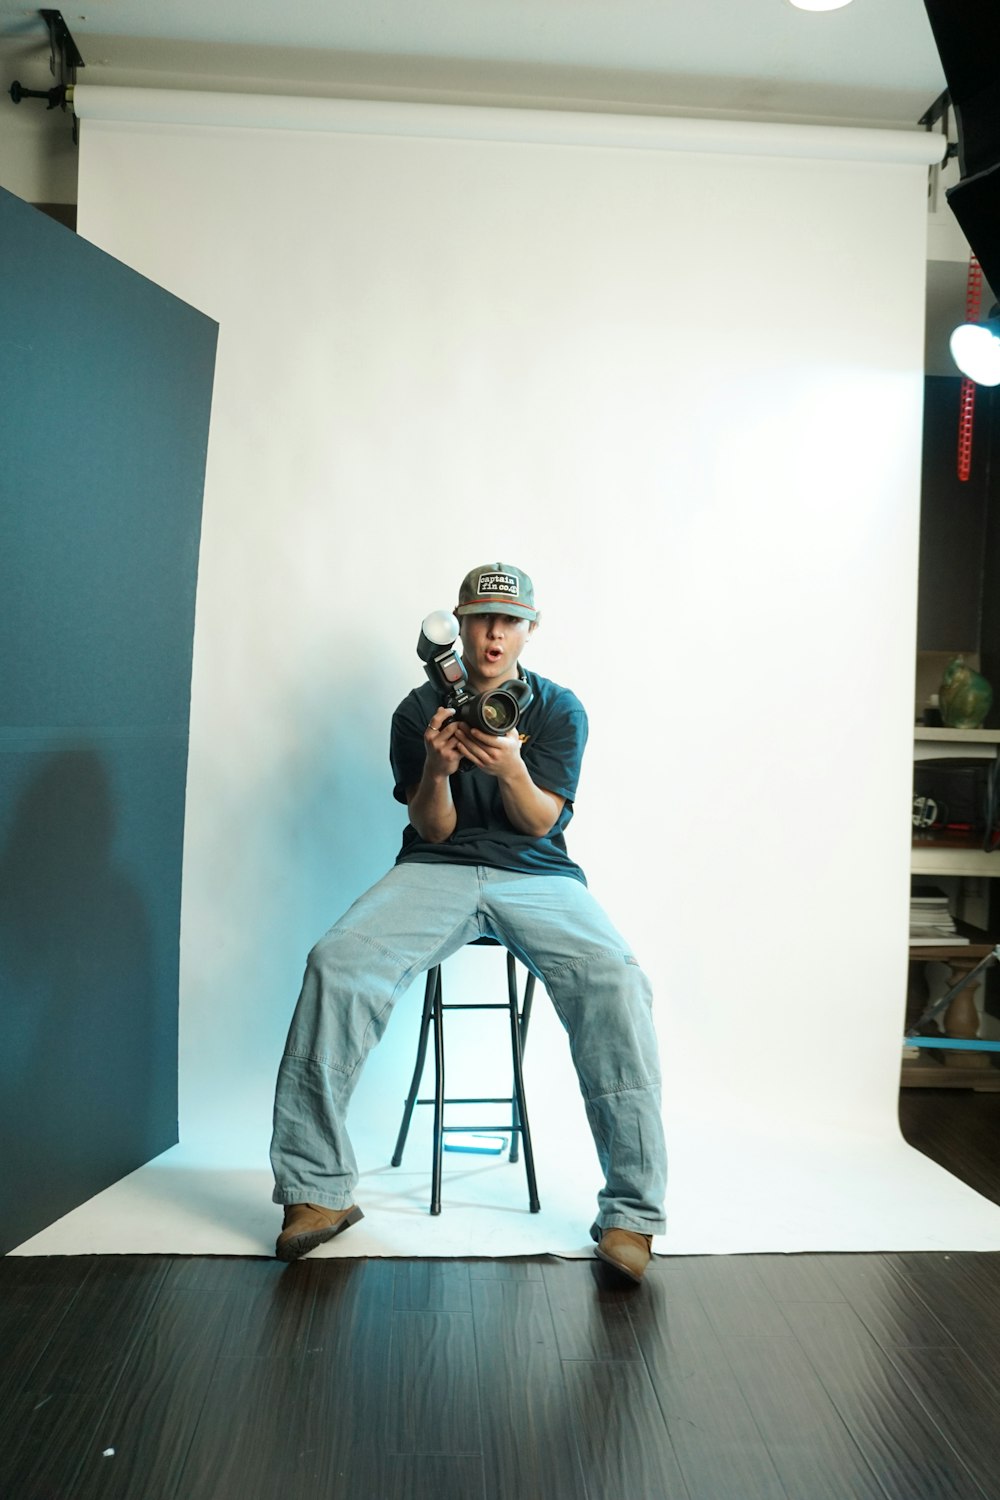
{"points": [[413, 919]]}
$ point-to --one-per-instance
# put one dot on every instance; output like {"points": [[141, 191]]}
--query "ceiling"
{"points": [[872, 62]]}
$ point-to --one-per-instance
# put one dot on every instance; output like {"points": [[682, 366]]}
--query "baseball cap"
{"points": [[497, 589]]}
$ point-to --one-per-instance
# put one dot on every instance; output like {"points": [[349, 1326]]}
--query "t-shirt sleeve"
{"points": [[406, 746], [553, 752]]}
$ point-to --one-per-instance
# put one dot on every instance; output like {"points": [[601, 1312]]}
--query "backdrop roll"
{"points": [[671, 368]]}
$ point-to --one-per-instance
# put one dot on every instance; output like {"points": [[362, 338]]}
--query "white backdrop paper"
{"points": [[678, 379]]}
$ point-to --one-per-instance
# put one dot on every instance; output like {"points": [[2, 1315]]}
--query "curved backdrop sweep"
{"points": [[673, 369]]}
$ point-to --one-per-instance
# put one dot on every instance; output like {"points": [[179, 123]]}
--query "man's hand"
{"points": [[432, 811], [498, 755], [530, 808], [442, 745]]}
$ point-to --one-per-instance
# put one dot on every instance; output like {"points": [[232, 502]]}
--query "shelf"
{"points": [[954, 736], [918, 1074], [926, 859]]}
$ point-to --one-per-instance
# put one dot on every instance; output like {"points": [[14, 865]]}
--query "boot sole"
{"points": [[622, 1270], [301, 1244]]}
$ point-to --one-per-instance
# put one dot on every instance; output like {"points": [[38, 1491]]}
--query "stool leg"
{"points": [[438, 1097], [425, 1021], [515, 1135], [529, 990], [529, 1156]]}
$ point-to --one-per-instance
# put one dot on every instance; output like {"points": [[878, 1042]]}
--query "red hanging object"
{"points": [[967, 396]]}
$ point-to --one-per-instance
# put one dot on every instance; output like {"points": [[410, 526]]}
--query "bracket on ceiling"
{"points": [[940, 110], [64, 59]]}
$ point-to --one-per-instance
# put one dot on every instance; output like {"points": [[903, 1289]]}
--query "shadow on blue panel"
{"points": [[80, 981]]}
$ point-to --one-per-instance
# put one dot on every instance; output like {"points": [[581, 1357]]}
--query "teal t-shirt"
{"points": [[553, 731]]}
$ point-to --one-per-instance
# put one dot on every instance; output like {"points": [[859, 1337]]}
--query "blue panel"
{"points": [[106, 385]]}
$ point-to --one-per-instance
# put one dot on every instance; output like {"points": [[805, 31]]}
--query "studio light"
{"points": [[975, 348], [819, 4]]}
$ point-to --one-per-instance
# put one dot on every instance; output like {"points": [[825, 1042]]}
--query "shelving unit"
{"points": [[954, 1069], [937, 859]]}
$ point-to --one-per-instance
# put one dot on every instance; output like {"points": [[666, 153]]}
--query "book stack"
{"points": [[931, 922]]}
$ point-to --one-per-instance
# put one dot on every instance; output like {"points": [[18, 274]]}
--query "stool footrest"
{"points": [[504, 1099], [457, 1129], [459, 1006]]}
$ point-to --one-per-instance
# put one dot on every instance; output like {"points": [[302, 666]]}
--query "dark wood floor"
{"points": [[758, 1377]]}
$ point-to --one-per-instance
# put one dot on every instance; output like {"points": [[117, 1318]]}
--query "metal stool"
{"points": [[519, 1010]]}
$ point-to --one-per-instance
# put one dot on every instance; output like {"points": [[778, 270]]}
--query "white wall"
{"points": [[467, 348]]}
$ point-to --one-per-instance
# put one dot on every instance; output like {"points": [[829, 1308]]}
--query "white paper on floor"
{"points": [[729, 1194]]}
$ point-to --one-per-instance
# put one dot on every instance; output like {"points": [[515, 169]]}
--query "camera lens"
{"points": [[499, 712]]}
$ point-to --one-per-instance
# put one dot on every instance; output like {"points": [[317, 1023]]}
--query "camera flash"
{"points": [[441, 627]]}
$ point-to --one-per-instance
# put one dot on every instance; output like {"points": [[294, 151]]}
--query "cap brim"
{"points": [[497, 607]]}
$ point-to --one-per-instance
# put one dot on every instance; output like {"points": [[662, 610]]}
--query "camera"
{"points": [[440, 650]]}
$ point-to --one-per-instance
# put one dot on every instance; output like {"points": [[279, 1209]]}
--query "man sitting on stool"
{"points": [[483, 855]]}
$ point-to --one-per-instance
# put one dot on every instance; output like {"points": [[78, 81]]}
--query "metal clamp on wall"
{"points": [[64, 51]]}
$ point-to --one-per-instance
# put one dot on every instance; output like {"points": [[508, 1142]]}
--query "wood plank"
{"points": [[109, 1312], [52, 1425], [521, 1268], [980, 1272], [152, 1417], [272, 1311], [347, 1369], [432, 1476], [625, 1448], [719, 1448], [529, 1424], [431, 1286], [433, 1385], [290, 1425], [812, 1451], [885, 1302], [590, 1310], [907, 1450], [963, 1398], [796, 1278], [248, 1439], [732, 1293], [270, 1303], [36, 1294], [964, 1295]]}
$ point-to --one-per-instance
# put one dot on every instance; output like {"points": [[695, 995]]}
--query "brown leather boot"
{"points": [[628, 1252], [307, 1225]]}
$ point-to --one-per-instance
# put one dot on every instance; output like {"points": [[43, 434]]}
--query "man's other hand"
{"points": [[442, 744], [498, 755]]}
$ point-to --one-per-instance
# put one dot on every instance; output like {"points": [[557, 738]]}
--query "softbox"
{"points": [[967, 35]]}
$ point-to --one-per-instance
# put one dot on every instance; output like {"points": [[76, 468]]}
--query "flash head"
{"points": [[441, 627]]}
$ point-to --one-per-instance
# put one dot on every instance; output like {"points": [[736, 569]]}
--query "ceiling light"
{"points": [[975, 348], [819, 4]]}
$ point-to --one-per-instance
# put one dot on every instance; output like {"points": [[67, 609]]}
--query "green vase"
{"points": [[965, 696]]}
